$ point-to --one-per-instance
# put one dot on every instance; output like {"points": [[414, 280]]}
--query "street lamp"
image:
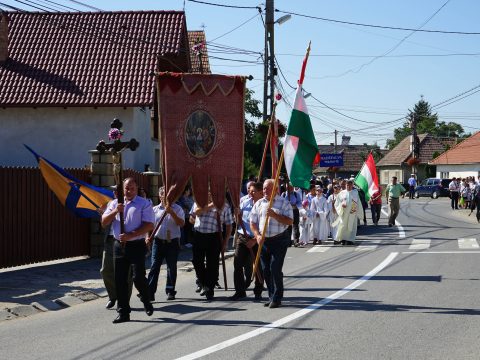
{"points": [[283, 19]]}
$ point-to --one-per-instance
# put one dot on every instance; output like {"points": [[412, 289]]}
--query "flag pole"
{"points": [[272, 197], [267, 142]]}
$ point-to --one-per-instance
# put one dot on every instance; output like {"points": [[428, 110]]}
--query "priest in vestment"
{"points": [[349, 209]]}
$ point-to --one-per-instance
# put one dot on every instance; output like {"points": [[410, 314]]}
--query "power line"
{"points": [[224, 5], [386, 56], [86, 5], [377, 26], [235, 28], [454, 97]]}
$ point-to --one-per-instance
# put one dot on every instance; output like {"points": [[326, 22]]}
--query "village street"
{"points": [[407, 292]]}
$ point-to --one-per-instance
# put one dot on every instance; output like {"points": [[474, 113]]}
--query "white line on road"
{"points": [[318, 248], [468, 243], [441, 252], [420, 244], [366, 247], [291, 317], [401, 232]]}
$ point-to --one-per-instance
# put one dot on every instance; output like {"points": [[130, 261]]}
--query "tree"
{"points": [[254, 141], [427, 122]]}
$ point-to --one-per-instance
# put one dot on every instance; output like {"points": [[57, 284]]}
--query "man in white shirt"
{"points": [[454, 189], [165, 245]]}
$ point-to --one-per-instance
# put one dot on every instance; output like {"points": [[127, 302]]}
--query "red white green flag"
{"points": [[367, 179], [300, 146]]}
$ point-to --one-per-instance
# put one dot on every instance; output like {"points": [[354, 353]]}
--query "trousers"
{"points": [[206, 253], [108, 270], [242, 267], [131, 255], [168, 251], [394, 210]]}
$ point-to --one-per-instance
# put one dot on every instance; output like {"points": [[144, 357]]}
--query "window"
{"points": [[384, 177], [445, 174]]}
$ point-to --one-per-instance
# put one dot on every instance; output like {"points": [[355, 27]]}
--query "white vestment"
{"points": [[347, 216], [332, 216], [321, 227], [305, 225]]}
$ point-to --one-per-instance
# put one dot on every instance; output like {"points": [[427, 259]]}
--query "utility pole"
{"points": [[414, 146], [335, 151]]}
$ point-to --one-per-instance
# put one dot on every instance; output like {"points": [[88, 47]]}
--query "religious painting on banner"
{"points": [[202, 134]]}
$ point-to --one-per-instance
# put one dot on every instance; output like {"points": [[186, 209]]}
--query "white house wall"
{"points": [[65, 135], [461, 171]]}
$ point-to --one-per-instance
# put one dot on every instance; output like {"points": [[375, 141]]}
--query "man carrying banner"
{"points": [[246, 246], [277, 239], [207, 246], [130, 247]]}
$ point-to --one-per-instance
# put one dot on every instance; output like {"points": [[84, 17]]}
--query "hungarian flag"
{"points": [[300, 147], [367, 179]]}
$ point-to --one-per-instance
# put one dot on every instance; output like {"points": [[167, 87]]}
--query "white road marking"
{"points": [[420, 244], [296, 315], [401, 231], [319, 248], [468, 243], [366, 247], [441, 252]]}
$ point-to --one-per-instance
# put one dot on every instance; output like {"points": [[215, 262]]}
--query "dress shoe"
{"points": [[335, 242], [121, 318], [349, 243], [238, 296], [319, 242], [171, 295], [390, 224], [267, 304], [275, 304], [217, 285], [148, 308], [204, 291], [110, 304], [198, 289], [209, 295]]}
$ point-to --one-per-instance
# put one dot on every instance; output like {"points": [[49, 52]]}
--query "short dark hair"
{"points": [[258, 186]]}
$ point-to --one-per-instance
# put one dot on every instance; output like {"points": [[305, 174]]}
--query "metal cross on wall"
{"points": [[116, 148]]}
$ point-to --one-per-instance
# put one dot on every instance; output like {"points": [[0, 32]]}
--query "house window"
{"points": [[444, 174], [384, 177]]}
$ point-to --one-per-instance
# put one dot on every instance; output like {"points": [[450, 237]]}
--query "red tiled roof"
{"points": [[195, 38], [89, 58], [466, 152], [400, 153]]}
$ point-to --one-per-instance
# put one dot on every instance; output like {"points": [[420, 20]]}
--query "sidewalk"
{"points": [[55, 285]]}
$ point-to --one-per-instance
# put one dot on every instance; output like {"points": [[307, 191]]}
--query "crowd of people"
{"points": [[299, 217], [465, 193]]}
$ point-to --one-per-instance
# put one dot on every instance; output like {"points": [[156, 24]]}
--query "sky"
{"points": [[362, 80]]}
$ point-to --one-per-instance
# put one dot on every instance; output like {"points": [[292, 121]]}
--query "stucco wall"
{"points": [[459, 170], [65, 136]]}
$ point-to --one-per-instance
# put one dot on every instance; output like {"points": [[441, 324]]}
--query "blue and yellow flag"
{"points": [[81, 198]]}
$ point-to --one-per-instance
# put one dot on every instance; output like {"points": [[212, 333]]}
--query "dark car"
{"points": [[433, 187]]}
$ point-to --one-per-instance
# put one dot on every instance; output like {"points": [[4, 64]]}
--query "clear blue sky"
{"points": [[380, 91]]}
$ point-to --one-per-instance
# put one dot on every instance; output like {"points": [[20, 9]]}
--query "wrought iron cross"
{"points": [[116, 148]]}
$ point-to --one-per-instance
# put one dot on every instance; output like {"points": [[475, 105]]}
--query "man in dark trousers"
{"points": [[246, 246], [130, 247]]}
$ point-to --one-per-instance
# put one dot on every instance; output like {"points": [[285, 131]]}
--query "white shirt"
{"points": [[168, 229]]}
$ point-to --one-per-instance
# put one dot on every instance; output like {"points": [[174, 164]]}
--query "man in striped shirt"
{"points": [[277, 239]]}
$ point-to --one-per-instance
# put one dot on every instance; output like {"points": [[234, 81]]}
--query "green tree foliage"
{"points": [[254, 140], [427, 122]]}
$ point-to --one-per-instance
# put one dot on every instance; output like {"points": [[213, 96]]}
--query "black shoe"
{"points": [[198, 289], [121, 318], [349, 243], [258, 297], [343, 242], [390, 224], [217, 285], [319, 242], [335, 242], [209, 295], [204, 291], [171, 295], [238, 296], [110, 304], [148, 308], [267, 304], [275, 304]]}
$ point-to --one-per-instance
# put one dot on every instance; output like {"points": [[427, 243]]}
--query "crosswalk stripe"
{"points": [[319, 248], [468, 243], [365, 247], [420, 244]]}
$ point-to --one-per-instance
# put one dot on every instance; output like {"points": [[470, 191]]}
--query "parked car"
{"points": [[433, 187]]}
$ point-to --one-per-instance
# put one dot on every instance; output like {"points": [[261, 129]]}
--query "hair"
{"points": [[257, 185], [129, 179]]}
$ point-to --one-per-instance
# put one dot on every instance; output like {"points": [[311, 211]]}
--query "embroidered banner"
{"points": [[202, 134]]}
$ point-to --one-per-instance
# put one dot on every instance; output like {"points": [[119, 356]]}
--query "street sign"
{"points": [[328, 160]]}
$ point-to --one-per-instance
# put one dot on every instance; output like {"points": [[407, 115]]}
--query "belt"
{"points": [[391, 197], [275, 236], [166, 240]]}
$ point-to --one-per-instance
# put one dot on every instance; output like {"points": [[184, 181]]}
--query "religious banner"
{"points": [[202, 134]]}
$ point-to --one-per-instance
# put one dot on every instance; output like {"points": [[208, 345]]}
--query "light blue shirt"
{"points": [[258, 215], [136, 212], [246, 205], [168, 223]]}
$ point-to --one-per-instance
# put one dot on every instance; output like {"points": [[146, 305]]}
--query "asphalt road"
{"points": [[407, 292]]}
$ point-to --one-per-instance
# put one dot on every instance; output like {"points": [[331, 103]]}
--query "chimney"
{"points": [[346, 140], [3, 37]]}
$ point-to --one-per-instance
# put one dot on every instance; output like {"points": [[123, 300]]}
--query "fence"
{"points": [[34, 225]]}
